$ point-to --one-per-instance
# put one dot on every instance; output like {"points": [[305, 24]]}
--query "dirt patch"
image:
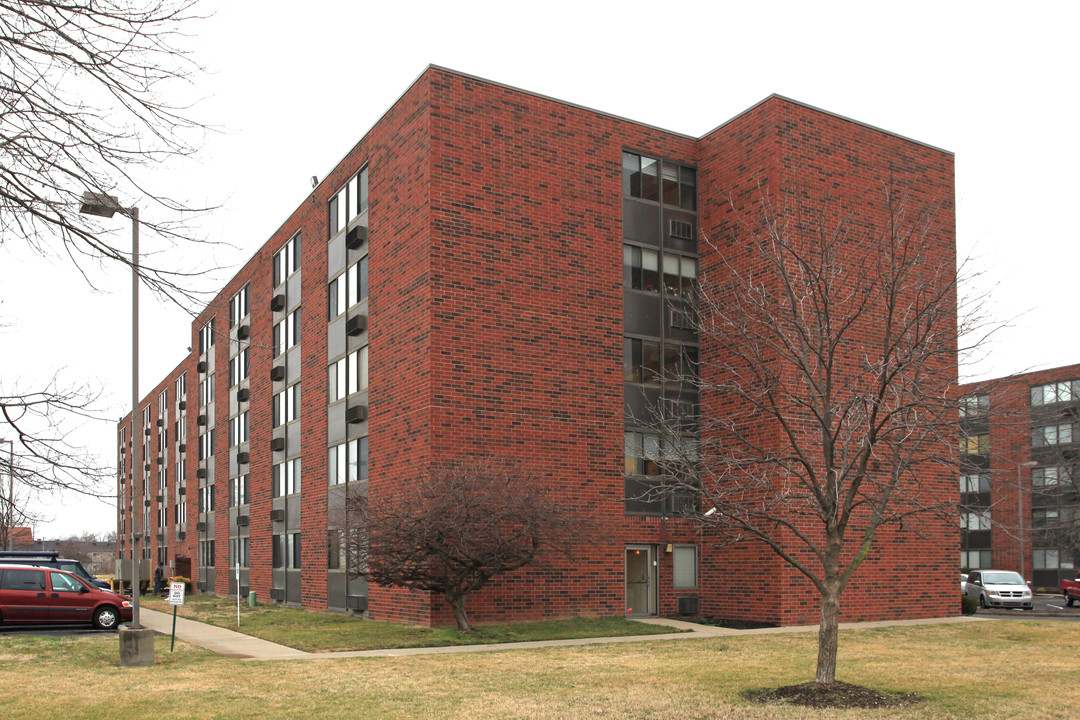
{"points": [[721, 622], [836, 695]]}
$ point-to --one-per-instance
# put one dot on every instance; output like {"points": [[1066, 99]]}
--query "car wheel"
{"points": [[982, 602], [1069, 600], [106, 618]]}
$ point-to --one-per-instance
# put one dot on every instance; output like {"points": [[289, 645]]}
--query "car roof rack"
{"points": [[44, 554]]}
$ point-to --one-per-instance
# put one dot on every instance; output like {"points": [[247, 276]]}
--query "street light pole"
{"points": [[1020, 509], [10, 540], [104, 205]]}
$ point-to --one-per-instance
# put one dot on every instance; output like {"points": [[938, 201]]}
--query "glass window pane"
{"points": [[631, 175], [670, 175], [688, 188], [650, 189], [650, 361], [650, 276], [684, 560]]}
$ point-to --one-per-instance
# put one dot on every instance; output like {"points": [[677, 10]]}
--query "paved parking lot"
{"points": [[1047, 607]]}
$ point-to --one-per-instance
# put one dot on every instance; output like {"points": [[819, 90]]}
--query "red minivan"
{"points": [[30, 594]]}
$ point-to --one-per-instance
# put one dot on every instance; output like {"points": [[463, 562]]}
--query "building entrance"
{"points": [[640, 580]]}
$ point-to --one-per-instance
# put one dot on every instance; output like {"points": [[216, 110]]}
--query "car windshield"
{"points": [[1002, 578]]}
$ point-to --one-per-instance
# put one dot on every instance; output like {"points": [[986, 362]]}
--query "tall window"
{"points": [[238, 429], [651, 179], [206, 391], [287, 260], [348, 462], [287, 405], [286, 478], [238, 307], [975, 520], [641, 268], [975, 483], [1051, 476], [238, 491], [348, 375], [680, 275], [286, 551], [287, 332], [1048, 435], [206, 445], [684, 562], [206, 336], [238, 368], [181, 386], [206, 553], [206, 499], [348, 289], [239, 551], [348, 202], [975, 444]]}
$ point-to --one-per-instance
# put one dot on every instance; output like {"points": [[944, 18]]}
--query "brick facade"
{"points": [[495, 324]]}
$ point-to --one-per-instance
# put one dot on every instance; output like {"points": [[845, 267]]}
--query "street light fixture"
{"points": [[106, 206], [1020, 508]]}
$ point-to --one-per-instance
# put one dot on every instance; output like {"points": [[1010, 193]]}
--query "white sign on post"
{"points": [[176, 593]]}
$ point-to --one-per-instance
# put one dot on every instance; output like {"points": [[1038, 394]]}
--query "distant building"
{"points": [[1019, 491], [22, 538], [491, 270]]}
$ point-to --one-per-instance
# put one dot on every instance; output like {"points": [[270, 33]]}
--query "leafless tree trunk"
{"points": [[829, 346]]}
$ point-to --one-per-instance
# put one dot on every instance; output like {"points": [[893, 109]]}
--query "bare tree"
{"points": [[829, 348], [88, 90], [453, 530]]}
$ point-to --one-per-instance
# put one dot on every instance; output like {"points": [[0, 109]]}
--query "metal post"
{"points": [[10, 512], [136, 438]]}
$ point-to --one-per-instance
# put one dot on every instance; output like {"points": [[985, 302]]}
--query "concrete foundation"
{"points": [[136, 646]]}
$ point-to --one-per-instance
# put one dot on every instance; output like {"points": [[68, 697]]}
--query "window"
{"points": [[974, 483], [206, 499], [206, 445], [1064, 391], [975, 444], [287, 332], [287, 260], [1045, 517], [206, 391], [238, 429], [238, 307], [287, 405], [180, 510], [238, 368], [640, 179], [641, 268], [680, 275], [239, 551], [1051, 476], [65, 583], [975, 559], [641, 361], [1044, 559], [642, 453], [975, 520], [206, 337], [684, 566], [206, 553], [348, 289], [1052, 435], [286, 551], [348, 462], [286, 478], [350, 201], [348, 375], [238, 491], [32, 580], [181, 386], [974, 405]]}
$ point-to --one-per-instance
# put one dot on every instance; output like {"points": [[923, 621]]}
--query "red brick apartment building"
{"points": [[1019, 489], [484, 271]]}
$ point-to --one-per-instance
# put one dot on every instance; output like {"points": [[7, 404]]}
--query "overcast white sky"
{"points": [[295, 86]]}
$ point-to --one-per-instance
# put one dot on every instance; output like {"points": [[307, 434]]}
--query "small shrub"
{"points": [[969, 605]]}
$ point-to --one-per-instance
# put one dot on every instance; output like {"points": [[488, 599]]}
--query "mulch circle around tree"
{"points": [[836, 695]]}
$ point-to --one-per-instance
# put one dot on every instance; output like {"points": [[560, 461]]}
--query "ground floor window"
{"points": [[684, 562], [975, 559]]}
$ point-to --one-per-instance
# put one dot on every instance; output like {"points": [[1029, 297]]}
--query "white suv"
{"points": [[999, 588]]}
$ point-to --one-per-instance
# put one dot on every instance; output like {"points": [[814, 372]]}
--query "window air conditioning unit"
{"points": [[201, 585], [277, 594], [160, 422], [243, 332], [356, 325], [201, 420], [688, 606], [161, 537], [160, 460], [277, 302], [161, 498], [146, 466], [200, 473], [277, 515], [146, 502], [183, 447], [201, 367], [182, 405], [356, 237], [277, 444], [201, 527], [242, 520], [183, 488], [181, 536], [356, 414], [243, 458], [242, 395], [146, 431], [277, 373], [356, 602]]}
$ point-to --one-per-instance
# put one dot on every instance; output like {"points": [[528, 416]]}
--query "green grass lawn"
{"points": [[992, 669], [326, 632]]}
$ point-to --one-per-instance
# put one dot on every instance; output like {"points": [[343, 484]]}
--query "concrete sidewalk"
{"points": [[238, 645]]}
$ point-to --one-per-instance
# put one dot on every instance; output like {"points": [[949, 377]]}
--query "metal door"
{"points": [[640, 580]]}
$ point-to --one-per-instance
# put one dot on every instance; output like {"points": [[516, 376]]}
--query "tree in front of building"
{"points": [[458, 527], [829, 344]]}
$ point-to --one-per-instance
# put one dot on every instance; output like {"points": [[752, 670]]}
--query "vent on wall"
{"points": [[356, 414], [682, 230], [356, 237], [688, 606], [356, 325]]}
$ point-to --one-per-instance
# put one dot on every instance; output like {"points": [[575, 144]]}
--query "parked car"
{"points": [[32, 594], [963, 583], [1071, 590], [50, 558], [999, 588]]}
